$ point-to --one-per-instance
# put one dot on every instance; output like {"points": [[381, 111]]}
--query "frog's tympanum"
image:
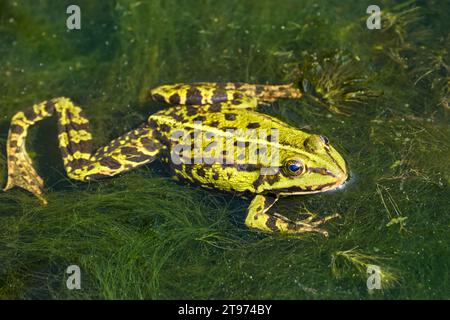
{"points": [[211, 135]]}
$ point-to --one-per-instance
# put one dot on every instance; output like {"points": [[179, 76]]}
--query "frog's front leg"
{"points": [[259, 218], [131, 150], [208, 93]]}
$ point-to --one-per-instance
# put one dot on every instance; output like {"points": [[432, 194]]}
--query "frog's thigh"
{"points": [[134, 149]]}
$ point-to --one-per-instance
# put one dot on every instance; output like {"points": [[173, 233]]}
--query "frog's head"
{"points": [[307, 164]]}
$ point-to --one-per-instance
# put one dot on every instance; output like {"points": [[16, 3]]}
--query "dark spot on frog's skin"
{"points": [[269, 138], [16, 129], [134, 134], [259, 89], [201, 172], [229, 175], [158, 136], [237, 96], [215, 107], [258, 208], [247, 167], [77, 126], [138, 158], [164, 127], [214, 124], [158, 98], [175, 115], [153, 124], [148, 143], [110, 163], [174, 99], [259, 181], [194, 96], [80, 163], [216, 175], [253, 125], [271, 179], [13, 143], [49, 107], [272, 223], [190, 110], [200, 118], [30, 114], [129, 151], [230, 116], [82, 146], [219, 95]]}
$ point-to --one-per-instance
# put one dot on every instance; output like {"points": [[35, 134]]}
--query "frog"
{"points": [[305, 163]]}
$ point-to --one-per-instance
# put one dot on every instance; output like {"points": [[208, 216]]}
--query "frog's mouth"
{"points": [[338, 184]]}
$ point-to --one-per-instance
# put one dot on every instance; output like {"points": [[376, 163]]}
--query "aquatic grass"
{"points": [[361, 262], [400, 35], [142, 245], [432, 71], [334, 81]]}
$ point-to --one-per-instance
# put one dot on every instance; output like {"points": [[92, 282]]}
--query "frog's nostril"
{"points": [[325, 139]]}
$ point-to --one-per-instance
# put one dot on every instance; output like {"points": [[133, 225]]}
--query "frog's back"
{"points": [[216, 119], [222, 158]]}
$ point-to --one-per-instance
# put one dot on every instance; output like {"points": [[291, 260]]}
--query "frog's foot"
{"points": [[305, 225], [259, 218], [21, 172]]}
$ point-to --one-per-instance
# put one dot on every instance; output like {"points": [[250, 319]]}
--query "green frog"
{"points": [[212, 135]]}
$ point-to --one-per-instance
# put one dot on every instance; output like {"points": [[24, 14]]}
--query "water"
{"points": [[143, 235]]}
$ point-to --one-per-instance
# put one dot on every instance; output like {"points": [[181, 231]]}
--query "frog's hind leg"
{"points": [[266, 93], [209, 93], [75, 143]]}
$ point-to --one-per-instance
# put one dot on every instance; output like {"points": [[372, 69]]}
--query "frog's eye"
{"points": [[294, 167]]}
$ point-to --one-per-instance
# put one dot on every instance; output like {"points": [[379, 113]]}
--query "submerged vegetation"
{"points": [[381, 96], [336, 82]]}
